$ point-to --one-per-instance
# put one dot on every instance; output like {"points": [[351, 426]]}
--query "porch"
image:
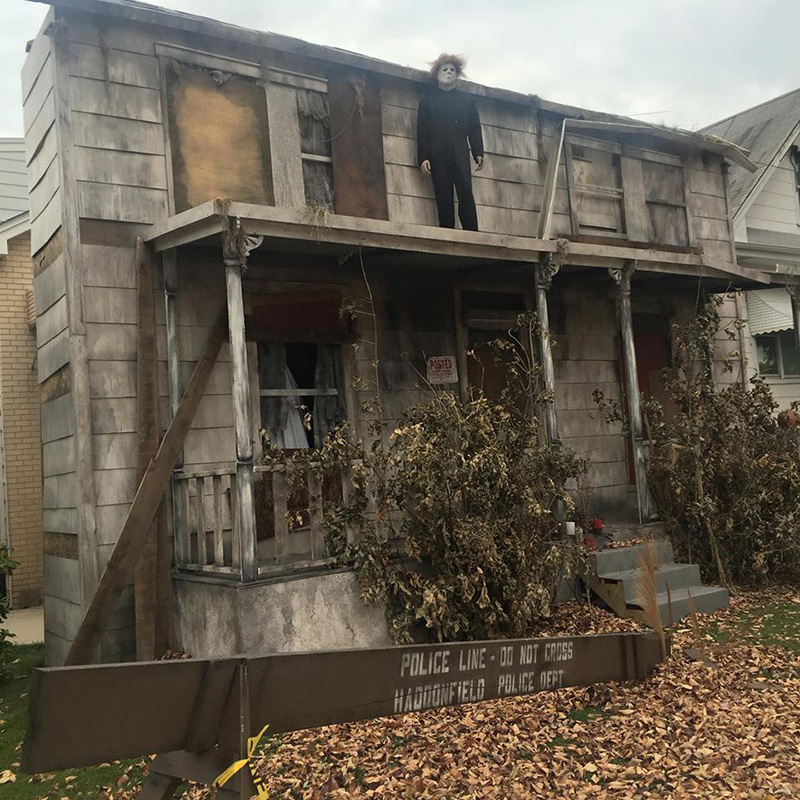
{"points": [[238, 521]]}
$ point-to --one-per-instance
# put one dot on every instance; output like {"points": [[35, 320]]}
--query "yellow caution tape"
{"points": [[252, 744]]}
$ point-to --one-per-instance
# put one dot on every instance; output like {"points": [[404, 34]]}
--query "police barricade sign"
{"points": [[200, 713]]}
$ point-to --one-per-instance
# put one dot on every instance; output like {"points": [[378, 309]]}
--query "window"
{"points": [[315, 147], [778, 354], [302, 392], [597, 198], [299, 338], [620, 191]]}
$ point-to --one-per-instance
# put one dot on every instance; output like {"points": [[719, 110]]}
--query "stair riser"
{"points": [[619, 559], [706, 603], [688, 575]]}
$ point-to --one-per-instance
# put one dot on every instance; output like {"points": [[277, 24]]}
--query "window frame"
{"points": [[781, 374], [632, 191]]}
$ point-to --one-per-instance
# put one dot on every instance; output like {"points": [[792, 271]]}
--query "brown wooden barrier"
{"points": [[199, 713]]}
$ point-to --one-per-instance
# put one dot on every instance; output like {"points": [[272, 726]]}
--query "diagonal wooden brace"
{"points": [[152, 488]]}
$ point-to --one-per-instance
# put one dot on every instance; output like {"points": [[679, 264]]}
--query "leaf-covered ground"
{"points": [[723, 723], [725, 726]]}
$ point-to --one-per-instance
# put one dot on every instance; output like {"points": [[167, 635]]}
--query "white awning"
{"points": [[769, 310]]}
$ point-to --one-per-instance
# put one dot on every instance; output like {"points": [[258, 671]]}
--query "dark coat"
{"points": [[448, 119]]}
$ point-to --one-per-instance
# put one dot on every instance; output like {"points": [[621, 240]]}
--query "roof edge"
{"points": [[150, 14], [13, 227]]}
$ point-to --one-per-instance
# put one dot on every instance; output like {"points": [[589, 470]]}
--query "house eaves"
{"points": [[13, 227]]}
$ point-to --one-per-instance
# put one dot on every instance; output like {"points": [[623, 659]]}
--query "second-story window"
{"points": [[315, 147], [597, 192]]}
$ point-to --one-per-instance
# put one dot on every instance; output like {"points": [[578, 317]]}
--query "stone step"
{"points": [[620, 559], [676, 576], [707, 600]]}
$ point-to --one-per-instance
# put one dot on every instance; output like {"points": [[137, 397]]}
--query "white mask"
{"points": [[447, 76]]}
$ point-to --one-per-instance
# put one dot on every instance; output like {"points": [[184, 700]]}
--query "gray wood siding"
{"points": [[41, 143]]}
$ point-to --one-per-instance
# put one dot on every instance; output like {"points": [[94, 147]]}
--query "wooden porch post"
{"points": [[545, 271], [235, 246], [622, 277]]}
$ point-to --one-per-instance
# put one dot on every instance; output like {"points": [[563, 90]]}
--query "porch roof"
{"points": [[453, 248]]}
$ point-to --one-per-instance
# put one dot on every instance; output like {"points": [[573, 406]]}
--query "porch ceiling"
{"points": [[286, 229]]}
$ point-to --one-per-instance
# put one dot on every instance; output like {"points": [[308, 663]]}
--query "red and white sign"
{"points": [[442, 369]]}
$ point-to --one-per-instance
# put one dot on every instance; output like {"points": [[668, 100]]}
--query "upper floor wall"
{"points": [[156, 120], [774, 216]]}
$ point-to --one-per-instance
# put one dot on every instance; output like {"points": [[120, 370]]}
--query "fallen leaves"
{"points": [[7, 776], [688, 731]]}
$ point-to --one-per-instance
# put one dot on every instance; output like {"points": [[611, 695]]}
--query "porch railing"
{"points": [[290, 533]]}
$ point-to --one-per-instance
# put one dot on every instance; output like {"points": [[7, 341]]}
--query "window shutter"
{"points": [[359, 177]]}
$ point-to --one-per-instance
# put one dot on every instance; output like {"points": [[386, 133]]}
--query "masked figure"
{"points": [[448, 127]]}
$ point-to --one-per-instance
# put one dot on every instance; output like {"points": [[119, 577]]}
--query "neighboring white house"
{"points": [[766, 218]]}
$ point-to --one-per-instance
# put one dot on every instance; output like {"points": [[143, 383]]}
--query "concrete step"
{"points": [[621, 559], [676, 576], [707, 600]]}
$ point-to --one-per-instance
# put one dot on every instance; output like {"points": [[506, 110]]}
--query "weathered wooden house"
{"points": [[268, 178]]}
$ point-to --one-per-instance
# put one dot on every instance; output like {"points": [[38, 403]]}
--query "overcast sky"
{"points": [[684, 62]]}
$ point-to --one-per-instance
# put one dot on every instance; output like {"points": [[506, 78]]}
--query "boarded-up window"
{"points": [[314, 119], [622, 191], [219, 136], [666, 203], [597, 195]]}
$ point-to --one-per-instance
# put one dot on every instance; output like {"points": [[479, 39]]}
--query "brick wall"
{"points": [[19, 395]]}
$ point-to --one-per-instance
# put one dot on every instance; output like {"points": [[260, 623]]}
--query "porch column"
{"points": [[622, 278], [794, 294], [235, 248], [545, 271]]}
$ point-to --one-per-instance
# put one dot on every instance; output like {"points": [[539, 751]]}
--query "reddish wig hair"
{"points": [[459, 62]]}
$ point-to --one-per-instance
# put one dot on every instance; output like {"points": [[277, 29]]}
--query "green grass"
{"points": [[774, 624], [84, 783]]}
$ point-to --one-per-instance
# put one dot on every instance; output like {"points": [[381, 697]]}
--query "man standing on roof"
{"points": [[448, 127]]}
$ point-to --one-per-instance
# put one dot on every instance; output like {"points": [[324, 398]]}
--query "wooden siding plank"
{"points": [[62, 578], [34, 137], [41, 89], [58, 458], [44, 158], [114, 415], [114, 486], [102, 304], [284, 131], [127, 169], [115, 66], [111, 267], [113, 379], [50, 285], [35, 60], [716, 229], [60, 520], [116, 100], [53, 355], [57, 419], [114, 450], [111, 342], [114, 133], [704, 182], [43, 192], [121, 203], [51, 322], [46, 224]]}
